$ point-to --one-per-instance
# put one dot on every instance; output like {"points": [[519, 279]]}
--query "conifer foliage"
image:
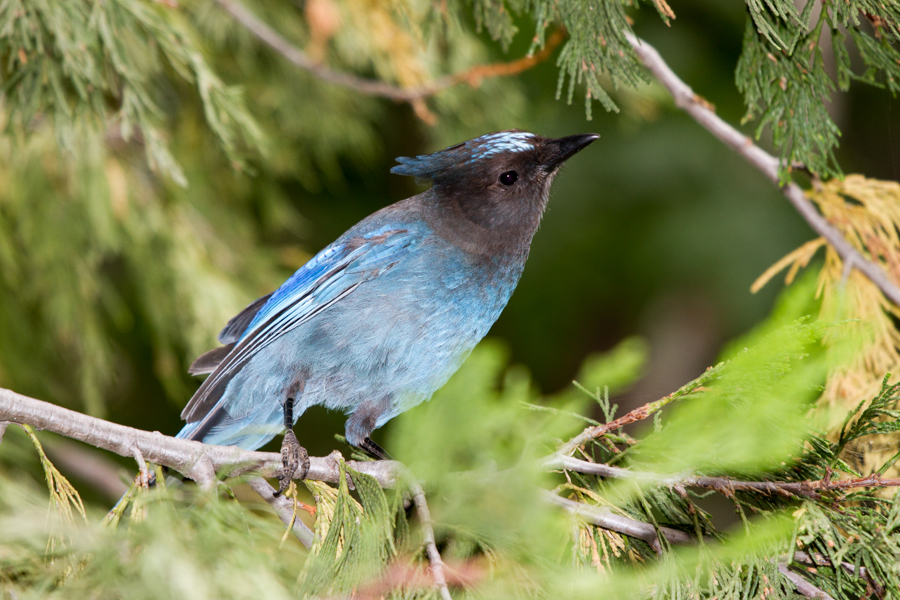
{"points": [[144, 151]]}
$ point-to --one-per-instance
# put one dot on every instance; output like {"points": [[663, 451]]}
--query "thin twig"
{"points": [[195, 460], [725, 485], [700, 110], [590, 433], [638, 414], [434, 557], [607, 519], [823, 561], [371, 87], [284, 508], [803, 586], [142, 466]]}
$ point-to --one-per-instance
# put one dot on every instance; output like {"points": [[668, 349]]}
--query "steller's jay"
{"points": [[380, 319]]}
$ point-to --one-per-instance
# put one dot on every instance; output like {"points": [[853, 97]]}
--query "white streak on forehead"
{"points": [[505, 141]]}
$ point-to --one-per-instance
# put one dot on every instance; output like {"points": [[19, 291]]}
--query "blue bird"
{"points": [[379, 320]]}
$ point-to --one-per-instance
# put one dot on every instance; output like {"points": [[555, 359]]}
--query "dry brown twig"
{"points": [[472, 76], [638, 414]]}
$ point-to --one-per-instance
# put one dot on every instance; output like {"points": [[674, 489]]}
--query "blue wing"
{"points": [[324, 280]]}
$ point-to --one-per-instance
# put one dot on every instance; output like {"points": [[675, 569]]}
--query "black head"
{"points": [[498, 180]]}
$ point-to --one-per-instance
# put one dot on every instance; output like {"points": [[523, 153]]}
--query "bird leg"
{"points": [[293, 455], [362, 423]]}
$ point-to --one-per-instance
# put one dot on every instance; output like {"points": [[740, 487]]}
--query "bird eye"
{"points": [[509, 178]]}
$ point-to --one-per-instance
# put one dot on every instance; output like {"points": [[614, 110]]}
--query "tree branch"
{"points": [[204, 462], [724, 485], [823, 561], [702, 112], [638, 414], [605, 518], [195, 460], [284, 508], [371, 87], [434, 557], [803, 586]]}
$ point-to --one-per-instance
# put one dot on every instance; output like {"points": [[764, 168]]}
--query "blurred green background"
{"points": [[114, 277]]}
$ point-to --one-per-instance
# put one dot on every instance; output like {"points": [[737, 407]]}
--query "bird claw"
{"points": [[374, 450], [294, 457]]}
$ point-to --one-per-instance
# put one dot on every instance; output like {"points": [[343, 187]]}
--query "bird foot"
{"points": [[294, 457]]}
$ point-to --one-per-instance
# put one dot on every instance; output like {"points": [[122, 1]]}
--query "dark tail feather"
{"points": [[208, 361], [236, 326]]}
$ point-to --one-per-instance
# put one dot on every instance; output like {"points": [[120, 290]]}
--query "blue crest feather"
{"points": [[432, 166]]}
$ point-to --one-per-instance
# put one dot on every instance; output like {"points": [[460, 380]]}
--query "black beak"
{"points": [[566, 147]]}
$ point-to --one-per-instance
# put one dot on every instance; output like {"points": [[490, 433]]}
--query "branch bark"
{"points": [[725, 485], [702, 112], [803, 586], [605, 518], [822, 560], [434, 557], [197, 461], [284, 508]]}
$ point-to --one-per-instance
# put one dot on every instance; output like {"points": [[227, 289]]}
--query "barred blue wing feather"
{"points": [[331, 275]]}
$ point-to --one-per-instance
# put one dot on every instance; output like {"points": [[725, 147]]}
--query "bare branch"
{"points": [[434, 557], [371, 87], [197, 461], [725, 485], [284, 508], [822, 561], [142, 466], [701, 111], [803, 586], [605, 518]]}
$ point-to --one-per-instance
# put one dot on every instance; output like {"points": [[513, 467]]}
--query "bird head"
{"points": [[497, 179]]}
